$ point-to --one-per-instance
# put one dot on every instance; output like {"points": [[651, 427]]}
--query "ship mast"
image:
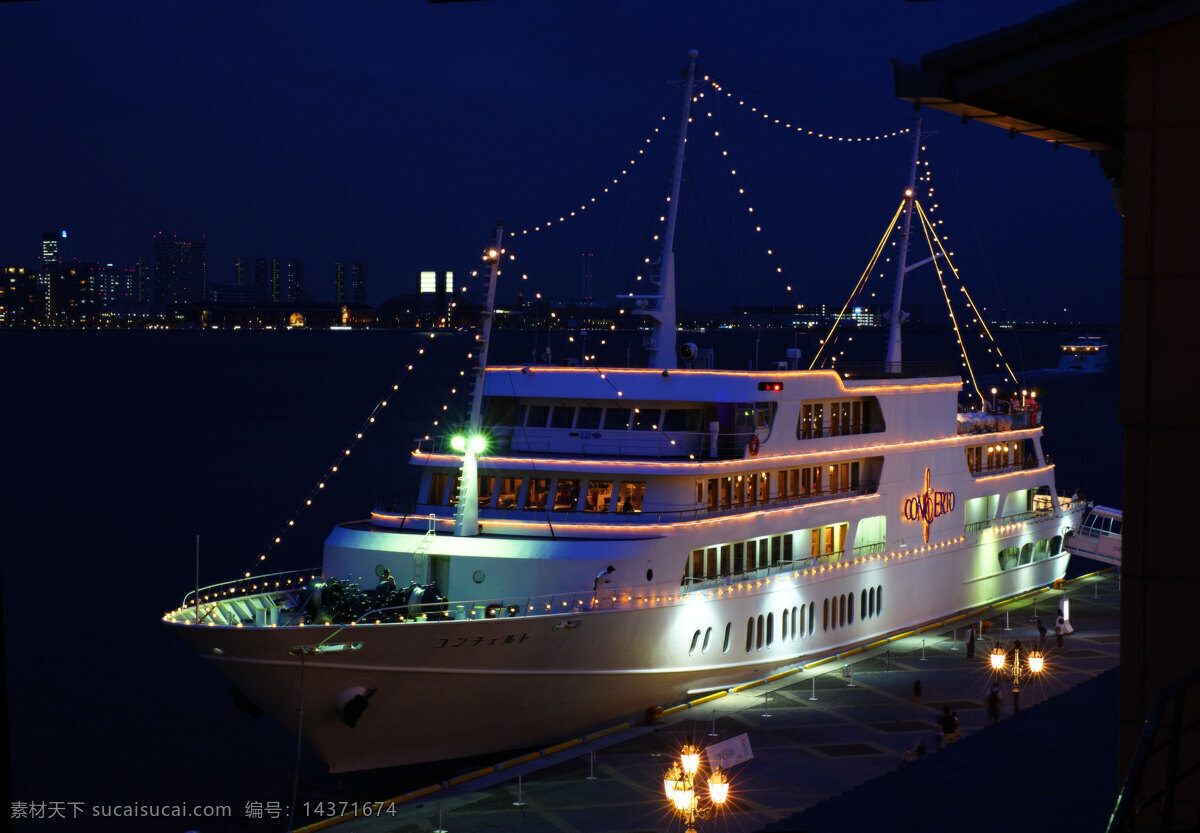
{"points": [[662, 335], [893, 363], [466, 515]]}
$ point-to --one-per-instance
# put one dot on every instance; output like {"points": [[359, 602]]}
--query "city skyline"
{"points": [[406, 150]]}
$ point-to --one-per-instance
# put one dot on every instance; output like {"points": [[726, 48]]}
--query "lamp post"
{"points": [[1026, 665], [682, 783]]}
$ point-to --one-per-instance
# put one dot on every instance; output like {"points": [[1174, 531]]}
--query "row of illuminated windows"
{"points": [[755, 488], [984, 458], [839, 418], [1030, 553], [542, 493], [837, 612], [620, 418], [746, 556]]}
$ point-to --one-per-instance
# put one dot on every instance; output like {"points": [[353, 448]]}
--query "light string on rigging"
{"points": [[802, 130]]}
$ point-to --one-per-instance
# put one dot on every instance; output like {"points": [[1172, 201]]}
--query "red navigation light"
{"points": [[770, 385]]}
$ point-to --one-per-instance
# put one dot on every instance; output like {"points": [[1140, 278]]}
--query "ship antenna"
{"points": [[893, 363], [662, 334], [466, 515]]}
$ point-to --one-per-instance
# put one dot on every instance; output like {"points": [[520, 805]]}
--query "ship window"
{"points": [[812, 617], [801, 621], [726, 492], [677, 419], [1056, 545], [699, 492], [537, 416], [631, 495], [486, 484], [784, 630], [739, 557], [739, 490], [1026, 554], [794, 483], [879, 599], [707, 637], [563, 416], [794, 622], [770, 629], [588, 419], [510, 489], [776, 549], [616, 419], [437, 488], [871, 603], [598, 496], [726, 561], [695, 642], [781, 484], [697, 569], [862, 604], [850, 608], [1041, 549], [711, 569], [749, 634], [728, 634], [787, 547], [539, 489], [645, 419], [519, 418], [752, 555], [758, 642], [825, 615], [566, 496]]}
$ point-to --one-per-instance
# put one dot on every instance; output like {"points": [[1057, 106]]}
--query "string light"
{"points": [[802, 130]]}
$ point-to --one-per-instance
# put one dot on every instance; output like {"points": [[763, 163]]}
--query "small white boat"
{"points": [[1099, 536]]}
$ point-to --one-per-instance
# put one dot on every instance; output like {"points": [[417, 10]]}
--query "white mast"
{"points": [[893, 351], [662, 344], [466, 515]]}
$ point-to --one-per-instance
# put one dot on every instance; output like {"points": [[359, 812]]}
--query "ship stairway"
{"points": [[420, 554], [1099, 537]]}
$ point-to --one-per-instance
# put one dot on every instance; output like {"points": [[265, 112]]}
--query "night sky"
{"points": [[398, 133]]}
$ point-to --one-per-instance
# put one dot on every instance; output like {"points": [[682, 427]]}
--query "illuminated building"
{"points": [[179, 270]]}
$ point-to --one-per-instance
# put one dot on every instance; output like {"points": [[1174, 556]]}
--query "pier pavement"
{"points": [[829, 742]]}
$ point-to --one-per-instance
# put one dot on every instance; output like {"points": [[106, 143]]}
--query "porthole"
{"points": [[749, 634], [862, 603], [879, 599], [871, 602], [770, 629], [812, 617], [707, 637], [695, 642], [825, 615], [478, 576], [728, 636], [794, 623], [758, 643], [784, 632], [850, 609], [650, 575], [842, 611]]}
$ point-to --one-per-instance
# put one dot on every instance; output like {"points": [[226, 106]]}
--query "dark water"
{"points": [[121, 447]]}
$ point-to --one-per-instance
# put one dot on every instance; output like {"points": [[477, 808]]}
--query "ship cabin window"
{"points": [[1056, 545], [695, 642], [455, 483], [1041, 549], [827, 540], [758, 642], [437, 488], [631, 494], [794, 622], [842, 610], [723, 568], [726, 492], [871, 603], [850, 609], [714, 495], [801, 623], [539, 489], [1008, 557], [487, 484], [680, 419], [728, 634], [862, 603], [566, 495], [812, 420], [1026, 554], [707, 637], [739, 557], [588, 418], [784, 630], [770, 629], [749, 634], [645, 419], [879, 599], [825, 615], [509, 493], [839, 418], [598, 496], [536, 416], [563, 416], [616, 419]]}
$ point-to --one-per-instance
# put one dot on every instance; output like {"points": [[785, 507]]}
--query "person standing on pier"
{"points": [[971, 642]]}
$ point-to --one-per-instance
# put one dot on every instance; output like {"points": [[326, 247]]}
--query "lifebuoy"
{"points": [[753, 448]]}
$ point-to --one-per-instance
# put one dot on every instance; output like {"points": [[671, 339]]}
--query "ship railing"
{"points": [[781, 566], [1019, 465], [817, 432], [1008, 519], [908, 370], [272, 582], [408, 510], [514, 607]]}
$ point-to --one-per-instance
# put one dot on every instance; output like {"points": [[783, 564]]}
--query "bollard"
{"points": [[922, 649], [518, 802], [848, 672], [440, 829], [765, 713], [592, 767], [1006, 627], [713, 733], [814, 693]]}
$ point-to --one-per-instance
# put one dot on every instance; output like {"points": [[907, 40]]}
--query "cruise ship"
{"points": [[597, 542]]}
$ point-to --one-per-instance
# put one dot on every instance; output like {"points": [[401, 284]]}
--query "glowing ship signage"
{"points": [[928, 505]]}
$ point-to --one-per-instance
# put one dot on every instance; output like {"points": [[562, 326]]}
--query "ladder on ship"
{"points": [[420, 554]]}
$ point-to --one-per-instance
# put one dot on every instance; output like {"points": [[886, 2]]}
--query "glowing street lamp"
{"points": [[683, 785], [1028, 665]]}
